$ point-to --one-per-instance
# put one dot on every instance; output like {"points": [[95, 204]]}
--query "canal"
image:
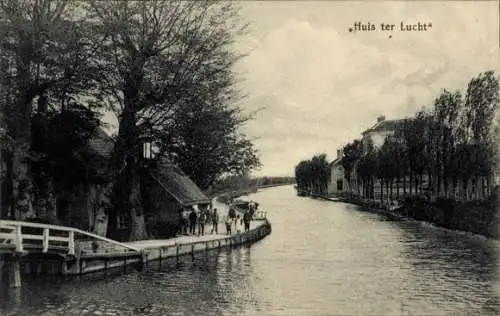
{"points": [[322, 258]]}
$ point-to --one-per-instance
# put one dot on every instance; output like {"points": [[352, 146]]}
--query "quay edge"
{"points": [[152, 250], [163, 249]]}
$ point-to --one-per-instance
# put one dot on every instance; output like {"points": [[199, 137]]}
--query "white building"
{"points": [[378, 133], [338, 182]]}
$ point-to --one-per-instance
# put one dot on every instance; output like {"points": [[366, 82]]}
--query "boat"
{"points": [[244, 204]]}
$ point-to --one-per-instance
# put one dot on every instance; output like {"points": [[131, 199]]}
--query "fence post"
{"points": [[71, 243], [46, 239], [19, 239], [15, 272]]}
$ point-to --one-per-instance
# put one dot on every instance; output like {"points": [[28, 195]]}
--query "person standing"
{"points": [[201, 223], [237, 224], [228, 223], [215, 221], [232, 216], [252, 207], [247, 217], [185, 221], [192, 221]]}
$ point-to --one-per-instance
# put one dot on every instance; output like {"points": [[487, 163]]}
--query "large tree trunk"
{"points": [[381, 190], [410, 182], [138, 222], [397, 187], [128, 151], [391, 182], [20, 125], [22, 188], [404, 185], [7, 194]]}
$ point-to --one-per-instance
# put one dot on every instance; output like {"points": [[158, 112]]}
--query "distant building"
{"points": [[374, 136], [338, 182], [377, 134]]}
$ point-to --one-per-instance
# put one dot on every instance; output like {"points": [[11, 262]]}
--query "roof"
{"points": [[337, 161], [385, 125], [179, 186], [101, 143]]}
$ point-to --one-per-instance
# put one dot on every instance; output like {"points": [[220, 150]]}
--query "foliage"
{"points": [[164, 68], [204, 141], [46, 54], [312, 175], [452, 141], [351, 153], [63, 154]]}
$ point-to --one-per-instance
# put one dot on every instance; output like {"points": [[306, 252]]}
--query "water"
{"points": [[322, 258]]}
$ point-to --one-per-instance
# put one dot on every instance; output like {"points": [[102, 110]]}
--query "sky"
{"points": [[318, 86]]}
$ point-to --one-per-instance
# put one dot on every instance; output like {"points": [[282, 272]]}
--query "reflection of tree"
{"points": [[448, 263], [26, 300]]}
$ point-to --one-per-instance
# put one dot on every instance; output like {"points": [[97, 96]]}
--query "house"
{"points": [[85, 205], [170, 192], [374, 136], [338, 182], [377, 134]]}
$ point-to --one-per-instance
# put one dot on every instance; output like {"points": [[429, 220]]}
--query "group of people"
{"points": [[237, 221], [194, 221]]}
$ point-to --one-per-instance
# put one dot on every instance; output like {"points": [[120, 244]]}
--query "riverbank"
{"points": [[475, 217], [155, 249]]}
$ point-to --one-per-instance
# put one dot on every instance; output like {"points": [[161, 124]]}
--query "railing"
{"points": [[52, 237]]}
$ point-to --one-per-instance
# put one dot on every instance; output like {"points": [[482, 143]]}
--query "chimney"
{"points": [[380, 119]]}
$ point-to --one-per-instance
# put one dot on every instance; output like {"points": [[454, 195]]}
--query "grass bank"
{"points": [[477, 217]]}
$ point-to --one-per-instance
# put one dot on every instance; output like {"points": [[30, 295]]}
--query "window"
{"points": [[340, 184], [121, 222]]}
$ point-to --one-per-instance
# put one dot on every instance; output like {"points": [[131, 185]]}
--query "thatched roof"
{"points": [[179, 186]]}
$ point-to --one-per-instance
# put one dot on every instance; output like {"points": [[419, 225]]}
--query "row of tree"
{"points": [[312, 175], [247, 183], [164, 68], [447, 150]]}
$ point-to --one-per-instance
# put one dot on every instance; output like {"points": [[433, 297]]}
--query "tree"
{"points": [[445, 130], [203, 139], [481, 105], [303, 176], [61, 155], [155, 51], [351, 154], [46, 53], [320, 170], [367, 169]]}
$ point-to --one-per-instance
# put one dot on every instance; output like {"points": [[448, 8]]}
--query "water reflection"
{"points": [[322, 258], [443, 266]]}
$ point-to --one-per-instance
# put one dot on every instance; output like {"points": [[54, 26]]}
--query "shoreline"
{"points": [[135, 256], [398, 214], [159, 249]]}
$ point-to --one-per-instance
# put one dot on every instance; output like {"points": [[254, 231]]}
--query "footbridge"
{"points": [[37, 247]]}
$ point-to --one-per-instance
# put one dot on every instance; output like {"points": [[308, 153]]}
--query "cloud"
{"points": [[321, 85]]}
